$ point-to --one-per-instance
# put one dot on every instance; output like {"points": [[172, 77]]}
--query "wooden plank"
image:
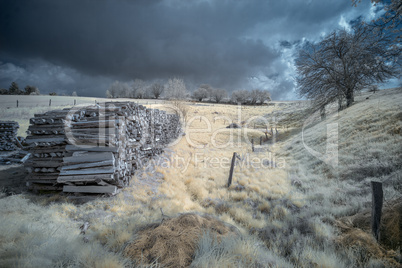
{"points": [[44, 163], [92, 142], [90, 189], [48, 182], [25, 158], [32, 139], [39, 187], [103, 183], [97, 136], [89, 165], [56, 149], [32, 177], [88, 157], [45, 175], [93, 130], [88, 171], [85, 178], [89, 148], [95, 124], [39, 127]]}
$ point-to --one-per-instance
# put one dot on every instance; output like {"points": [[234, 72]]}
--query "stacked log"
{"points": [[47, 142], [96, 149], [8, 135]]}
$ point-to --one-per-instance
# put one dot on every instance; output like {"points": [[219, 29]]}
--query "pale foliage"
{"points": [[157, 90], [137, 89], [118, 90], [250, 97], [200, 94], [218, 94], [240, 96], [175, 89]]}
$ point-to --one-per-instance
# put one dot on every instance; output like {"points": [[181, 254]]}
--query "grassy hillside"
{"points": [[290, 208]]}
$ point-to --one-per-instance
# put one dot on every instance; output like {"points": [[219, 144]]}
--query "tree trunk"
{"points": [[322, 112], [341, 98], [350, 98]]}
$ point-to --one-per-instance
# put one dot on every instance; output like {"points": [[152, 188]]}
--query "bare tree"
{"points": [[157, 90], [208, 88], [373, 88], [253, 96], [180, 108], [140, 93], [240, 96], [118, 90], [109, 94], [218, 94], [175, 89], [137, 89], [113, 90], [263, 95], [343, 63], [390, 20], [200, 94]]}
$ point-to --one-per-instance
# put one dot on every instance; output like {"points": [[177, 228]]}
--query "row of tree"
{"points": [[28, 90], [15, 90], [175, 89], [347, 61]]}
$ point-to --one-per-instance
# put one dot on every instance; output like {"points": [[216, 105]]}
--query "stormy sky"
{"points": [[85, 45]]}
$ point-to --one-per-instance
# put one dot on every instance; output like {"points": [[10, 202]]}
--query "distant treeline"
{"points": [[175, 88], [15, 90], [28, 90]]}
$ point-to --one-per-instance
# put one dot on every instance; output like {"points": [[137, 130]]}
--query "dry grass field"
{"points": [[285, 207]]}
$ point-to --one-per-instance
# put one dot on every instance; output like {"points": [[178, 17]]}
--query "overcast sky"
{"points": [[85, 45]]}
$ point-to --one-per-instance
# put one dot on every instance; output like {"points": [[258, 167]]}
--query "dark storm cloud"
{"points": [[219, 42]]}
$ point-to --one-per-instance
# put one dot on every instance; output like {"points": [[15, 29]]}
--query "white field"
{"points": [[287, 203]]}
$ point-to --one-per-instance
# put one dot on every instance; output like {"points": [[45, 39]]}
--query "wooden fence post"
{"points": [[377, 199], [75, 102], [231, 169], [17, 103], [50, 102]]}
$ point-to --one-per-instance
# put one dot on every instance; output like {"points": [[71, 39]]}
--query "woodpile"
{"points": [[95, 149], [8, 135]]}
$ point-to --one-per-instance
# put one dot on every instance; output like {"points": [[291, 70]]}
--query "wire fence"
{"points": [[9, 102], [42, 102]]}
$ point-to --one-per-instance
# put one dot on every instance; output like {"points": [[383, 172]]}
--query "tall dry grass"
{"points": [[286, 207]]}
